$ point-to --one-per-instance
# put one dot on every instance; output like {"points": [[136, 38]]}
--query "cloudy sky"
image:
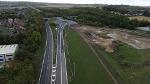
{"points": [[127, 2]]}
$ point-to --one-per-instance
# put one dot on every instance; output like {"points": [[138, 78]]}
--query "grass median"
{"points": [[53, 28]]}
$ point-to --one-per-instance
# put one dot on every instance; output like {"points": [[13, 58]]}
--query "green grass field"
{"points": [[83, 66], [129, 65], [54, 31]]}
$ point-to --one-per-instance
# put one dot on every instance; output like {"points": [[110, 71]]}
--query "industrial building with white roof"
{"points": [[7, 52]]}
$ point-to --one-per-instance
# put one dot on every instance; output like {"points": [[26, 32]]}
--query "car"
{"points": [[53, 76], [52, 82], [45, 19], [53, 69], [54, 66]]}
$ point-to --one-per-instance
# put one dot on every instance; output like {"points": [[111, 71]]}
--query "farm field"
{"points": [[140, 18], [83, 65]]}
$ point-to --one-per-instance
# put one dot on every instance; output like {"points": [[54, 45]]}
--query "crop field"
{"points": [[140, 18], [129, 64], [83, 66]]}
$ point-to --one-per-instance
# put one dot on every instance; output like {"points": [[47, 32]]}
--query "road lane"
{"points": [[47, 64], [64, 68], [47, 61], [61, 69], [58, 57]]}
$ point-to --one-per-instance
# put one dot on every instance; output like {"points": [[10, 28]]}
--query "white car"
{"points": [[53, 76], [54, 68], [54, 65], [52, 82]]}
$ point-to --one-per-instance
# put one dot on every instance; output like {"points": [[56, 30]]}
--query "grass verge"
{"points": [[129, 65], [83, 65]]}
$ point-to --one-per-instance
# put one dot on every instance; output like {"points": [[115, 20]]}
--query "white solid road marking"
{"points": [[60, 39], [61, 57], [65, 62], [56, 57], [66, 69], [43, 58]]}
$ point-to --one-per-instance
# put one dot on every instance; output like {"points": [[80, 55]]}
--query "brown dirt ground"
{"points": [[140, 18], [105, 37]]}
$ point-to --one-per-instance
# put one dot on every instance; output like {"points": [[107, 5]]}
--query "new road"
{"points": [[45, 75]]}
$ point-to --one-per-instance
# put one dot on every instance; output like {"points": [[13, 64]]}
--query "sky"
{"points": [[126, 2]]}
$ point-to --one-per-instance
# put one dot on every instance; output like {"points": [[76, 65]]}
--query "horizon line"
{"points": [[74, 3]]}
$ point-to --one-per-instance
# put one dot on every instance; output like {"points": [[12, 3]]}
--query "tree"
{"points": [[146, 13], [36, 37]]}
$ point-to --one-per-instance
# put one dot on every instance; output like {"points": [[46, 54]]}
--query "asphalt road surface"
{"points": [[45, 75], [61, 70], [48, 74], [47, 64]]}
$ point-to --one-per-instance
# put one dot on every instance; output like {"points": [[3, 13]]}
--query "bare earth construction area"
{"points": [[140, 18], [106, 37], [125, 53]]}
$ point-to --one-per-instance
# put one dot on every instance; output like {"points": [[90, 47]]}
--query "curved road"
{"points": [[45, 75], [61, 70]]}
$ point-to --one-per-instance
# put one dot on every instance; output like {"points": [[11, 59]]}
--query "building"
{"points": [[7, 52], [144, 28]]}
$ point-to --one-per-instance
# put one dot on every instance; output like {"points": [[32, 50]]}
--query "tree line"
{"points": [[94, 17], [24, 69]]}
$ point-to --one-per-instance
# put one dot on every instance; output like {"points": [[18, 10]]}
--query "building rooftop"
{"points": [[8, 49]]}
